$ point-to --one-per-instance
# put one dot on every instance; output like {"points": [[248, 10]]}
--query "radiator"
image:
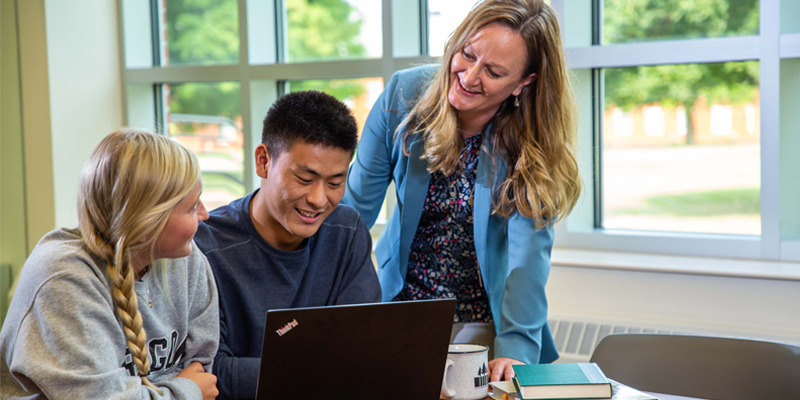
{"points": [[577, 336]]}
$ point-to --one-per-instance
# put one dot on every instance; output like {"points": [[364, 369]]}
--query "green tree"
{"points": [[202, 32], [206, 99], [324, 30], [672, 85]]}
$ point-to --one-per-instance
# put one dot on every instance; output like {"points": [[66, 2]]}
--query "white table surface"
{"points": [[662, 396]]}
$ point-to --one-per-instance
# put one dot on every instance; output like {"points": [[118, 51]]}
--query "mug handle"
{"points": [[446, 392]]}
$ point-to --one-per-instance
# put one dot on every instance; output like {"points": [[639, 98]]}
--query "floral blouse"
{"points": [[442, 262]]}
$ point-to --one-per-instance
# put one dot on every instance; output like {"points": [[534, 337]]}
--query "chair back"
{"points": [[702, 366]]}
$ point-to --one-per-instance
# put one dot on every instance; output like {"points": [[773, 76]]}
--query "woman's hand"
{"points": [[500, 369], [205, 381]]}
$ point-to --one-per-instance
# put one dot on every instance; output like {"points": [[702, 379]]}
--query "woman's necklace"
{"points": [[147, 288]]}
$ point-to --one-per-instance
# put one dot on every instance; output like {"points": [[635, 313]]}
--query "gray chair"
{"points": [[702, 366]]}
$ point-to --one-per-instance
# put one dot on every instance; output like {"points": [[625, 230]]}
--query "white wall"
{"points": [[85, 89], [759, 308]]}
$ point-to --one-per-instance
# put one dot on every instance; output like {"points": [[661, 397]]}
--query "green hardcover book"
{"points": [[561, 381]]}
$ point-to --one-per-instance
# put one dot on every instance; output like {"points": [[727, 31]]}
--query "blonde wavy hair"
{"points": [[128, 188], [536, 140]]}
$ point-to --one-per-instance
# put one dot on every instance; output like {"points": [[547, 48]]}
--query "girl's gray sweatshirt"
{"points": [[61, 338]]}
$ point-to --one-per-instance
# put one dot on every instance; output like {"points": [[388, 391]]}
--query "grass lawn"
{"points": [[708, 203], [223, 182]]}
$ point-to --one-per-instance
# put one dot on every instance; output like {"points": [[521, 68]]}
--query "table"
{"points": [[662, 396], [659, 396], [619, 390]]}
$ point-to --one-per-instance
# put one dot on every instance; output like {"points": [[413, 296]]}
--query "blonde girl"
{"points": [[124, 306], [481, 150]]}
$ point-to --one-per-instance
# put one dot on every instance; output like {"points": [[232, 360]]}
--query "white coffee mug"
{"points": [[466, 373]]}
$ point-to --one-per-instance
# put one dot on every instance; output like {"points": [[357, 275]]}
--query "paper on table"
{"points": [[505, 391], [620, 391]]}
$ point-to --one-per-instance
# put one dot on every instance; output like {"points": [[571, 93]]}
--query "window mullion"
{"points": [[790, 45], [769, 67], [244, 97], [387, 64], [665, 52], [281, 32]]}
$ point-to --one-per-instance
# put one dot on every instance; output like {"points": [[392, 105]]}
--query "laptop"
{"points": [[393, 350]]}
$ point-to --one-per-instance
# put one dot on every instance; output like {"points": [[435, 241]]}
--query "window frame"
{"points": [[774, 50], [260, 83]]}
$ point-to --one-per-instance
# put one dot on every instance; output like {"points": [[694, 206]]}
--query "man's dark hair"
{"points": [[315, 117]]}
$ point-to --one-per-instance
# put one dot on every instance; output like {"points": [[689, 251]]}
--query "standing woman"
{"points": [[481, 151], [125, 306]]}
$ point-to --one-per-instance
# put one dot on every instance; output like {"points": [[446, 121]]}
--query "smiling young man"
{"points": [[288, 244]]}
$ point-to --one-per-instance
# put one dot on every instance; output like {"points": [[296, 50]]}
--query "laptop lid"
{"points": [[393, 350]]}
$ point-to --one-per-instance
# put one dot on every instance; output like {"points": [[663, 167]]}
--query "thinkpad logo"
{"points": [[286, 328]]}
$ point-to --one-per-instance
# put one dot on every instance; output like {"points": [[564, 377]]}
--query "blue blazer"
{"points": [[513, 256]]}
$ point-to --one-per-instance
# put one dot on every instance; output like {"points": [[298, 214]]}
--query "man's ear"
{"points": [[262, 160]]}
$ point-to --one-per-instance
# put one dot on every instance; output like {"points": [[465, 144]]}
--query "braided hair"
{"points": [[128, 188]]}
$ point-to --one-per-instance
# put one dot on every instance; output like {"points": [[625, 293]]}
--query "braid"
{"points": [[122, 278], [122, 209]]}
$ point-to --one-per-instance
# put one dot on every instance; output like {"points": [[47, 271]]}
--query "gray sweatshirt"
{"points": [[61, 338]]}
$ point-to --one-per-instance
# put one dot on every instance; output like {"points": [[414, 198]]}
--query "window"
{"points": [[206, 118], [684, 159], [627, 21], [333, 30], [684, 126], [199, 33], [206, 73], [738, 59], [443, 18]]}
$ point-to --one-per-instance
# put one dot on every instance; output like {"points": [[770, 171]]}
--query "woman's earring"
{"points": [[516, 101]]}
